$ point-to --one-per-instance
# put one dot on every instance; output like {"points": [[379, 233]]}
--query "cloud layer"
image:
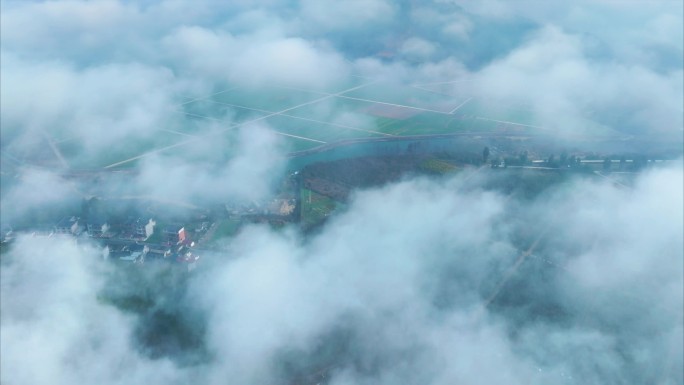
{"points": [[413, 283], [405, 275]]}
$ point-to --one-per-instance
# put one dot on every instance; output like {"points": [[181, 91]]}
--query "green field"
{"points": [[405, 95], [272, 99], [437, 166], [74, 152], [224, 229], [316, 207], [310, 119]]}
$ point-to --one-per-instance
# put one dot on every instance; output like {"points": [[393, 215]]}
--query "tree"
{"points": [[485, 154], [551, 161]]}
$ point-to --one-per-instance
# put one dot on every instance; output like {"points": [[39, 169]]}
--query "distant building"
{"points": [[98, 227], [187, 257], [174, 233], [149, 228], [134, 253], [68, 225], [137, 228], [7, 234]]}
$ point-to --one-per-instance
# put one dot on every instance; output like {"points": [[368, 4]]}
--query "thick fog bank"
{"points": [[422, 281]]}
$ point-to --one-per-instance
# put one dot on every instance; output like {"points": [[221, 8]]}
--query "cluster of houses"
{"points": [[133, 240], [132, 229], [138, 253]]}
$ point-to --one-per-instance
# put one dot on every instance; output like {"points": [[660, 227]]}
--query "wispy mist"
{"points": [[425, 280]]}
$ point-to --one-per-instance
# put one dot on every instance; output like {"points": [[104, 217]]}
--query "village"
{"points": [[137, 239], [145, 231]]}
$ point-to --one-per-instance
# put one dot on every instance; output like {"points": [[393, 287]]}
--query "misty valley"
{"points": [[341, 192]]}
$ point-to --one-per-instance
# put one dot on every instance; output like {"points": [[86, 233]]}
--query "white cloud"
{"points": [[35, 190], [257, 60], [402, 274], [102, 106], [333, 15], [416, 48], [405, 271], [201, 171], [565, 88], [54, 329]]}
